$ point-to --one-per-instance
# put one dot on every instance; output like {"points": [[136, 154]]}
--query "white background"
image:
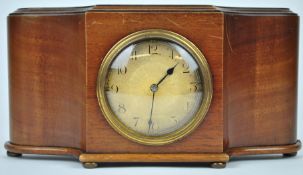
{"points": [[65, 165]]}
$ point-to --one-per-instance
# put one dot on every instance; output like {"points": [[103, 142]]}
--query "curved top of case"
{"points": [[153, 9]]}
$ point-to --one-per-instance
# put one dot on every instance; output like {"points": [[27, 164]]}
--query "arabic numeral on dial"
{"points": [[122, 70], [155, 126], [121, 108], [152, 49], [134, 55], [113, 88], [174, 118], [187, 106], [186, 68], [136, 121], [172, 54], [195, 86]]}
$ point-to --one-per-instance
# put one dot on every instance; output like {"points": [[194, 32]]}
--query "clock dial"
{"points": [[154, 87]]}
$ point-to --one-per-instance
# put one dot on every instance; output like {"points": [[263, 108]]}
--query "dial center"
{"points": [[154, 87]]}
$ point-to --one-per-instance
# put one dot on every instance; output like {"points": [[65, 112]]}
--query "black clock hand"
{"points": [[169, 71], [154, 88], [151, 113]]}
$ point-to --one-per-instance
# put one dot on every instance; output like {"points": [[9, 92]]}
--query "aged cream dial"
{"points": [[154, 89]]}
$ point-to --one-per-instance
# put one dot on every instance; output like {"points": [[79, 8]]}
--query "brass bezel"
{"points": [[113, 119]]}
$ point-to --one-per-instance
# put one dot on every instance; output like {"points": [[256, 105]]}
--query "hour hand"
{"points": [[169, 71]]}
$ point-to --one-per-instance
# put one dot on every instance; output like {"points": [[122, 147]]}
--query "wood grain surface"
{"points": [[106, 28], [55, 54], [260, 80], [287, 150], [194, 157], [47, 80]]}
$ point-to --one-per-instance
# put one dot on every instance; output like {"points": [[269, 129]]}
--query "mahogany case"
{"points": [[55, 54]]}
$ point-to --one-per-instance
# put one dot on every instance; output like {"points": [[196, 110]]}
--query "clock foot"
{"points": [[90, 165], [218, 165], [290, 154], [12, 154]]}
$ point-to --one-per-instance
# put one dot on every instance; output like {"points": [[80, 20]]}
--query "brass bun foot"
{"points": [[90, 165], [290, 154], [218, 165], [12, 154]]}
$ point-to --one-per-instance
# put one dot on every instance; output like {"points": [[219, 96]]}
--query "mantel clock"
{"points": [[153, 83]]}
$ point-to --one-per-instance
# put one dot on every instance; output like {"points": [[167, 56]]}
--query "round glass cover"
{"points": [[154, 87]]}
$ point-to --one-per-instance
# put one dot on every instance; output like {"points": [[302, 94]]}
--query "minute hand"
{"points": [[169, 71]]}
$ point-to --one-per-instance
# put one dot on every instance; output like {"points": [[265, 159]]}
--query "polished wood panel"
{"points": [[106, 28], [260, 80], [47, 80], [197, 157]]}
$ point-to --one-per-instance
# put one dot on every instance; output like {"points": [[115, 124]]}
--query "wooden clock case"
{"points": [[55, 54]]}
